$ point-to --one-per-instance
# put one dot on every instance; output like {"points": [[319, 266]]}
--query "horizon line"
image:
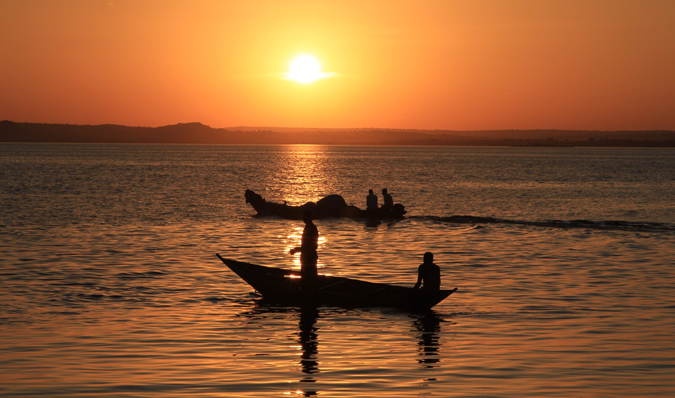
{"points": [[338, 128]]}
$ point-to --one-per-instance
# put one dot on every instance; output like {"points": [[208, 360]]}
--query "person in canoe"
{"points": [[308, 253], [388, 200], [428, 274], [371, 201]]}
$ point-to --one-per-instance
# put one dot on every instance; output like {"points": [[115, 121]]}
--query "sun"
{"points": [[305, 69]]}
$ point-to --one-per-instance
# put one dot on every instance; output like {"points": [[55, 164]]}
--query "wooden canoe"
{"points": [[282, 286]]}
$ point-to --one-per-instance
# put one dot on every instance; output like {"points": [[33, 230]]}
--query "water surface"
{"points": [[111, 287]]}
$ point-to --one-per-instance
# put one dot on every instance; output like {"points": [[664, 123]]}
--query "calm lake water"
{"points": [[111, 287]]}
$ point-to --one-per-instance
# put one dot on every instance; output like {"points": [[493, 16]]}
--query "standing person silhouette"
{"points": [[308, 257], [371, 201], [428, 274], [388, 200]]}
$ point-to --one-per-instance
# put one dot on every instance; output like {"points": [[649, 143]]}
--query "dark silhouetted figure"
{"points": [[428, 274], [388, 200], [371, 201], [308, 256]]}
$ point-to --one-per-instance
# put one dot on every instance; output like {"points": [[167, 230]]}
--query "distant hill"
{"points": [[197, 133]]}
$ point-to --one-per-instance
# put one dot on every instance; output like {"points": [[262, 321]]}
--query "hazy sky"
{"points": [[458, 65]]}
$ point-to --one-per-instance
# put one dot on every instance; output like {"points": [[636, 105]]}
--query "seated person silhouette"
{"points": [[308, 253], [371, 201], [428, 274], [388, 200]]}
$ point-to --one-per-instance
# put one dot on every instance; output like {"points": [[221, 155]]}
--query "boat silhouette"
{"points": [[280, 286]]}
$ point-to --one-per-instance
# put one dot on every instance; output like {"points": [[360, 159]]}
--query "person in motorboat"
{"points": [[371, 201], [308, 252], [428, 274], [388, 200]]}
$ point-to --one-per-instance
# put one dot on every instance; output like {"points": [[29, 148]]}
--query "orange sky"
{"points": [[457, 65]]}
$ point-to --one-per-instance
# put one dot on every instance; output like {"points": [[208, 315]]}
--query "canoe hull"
{"points": [[284, 287], [321, 210]]}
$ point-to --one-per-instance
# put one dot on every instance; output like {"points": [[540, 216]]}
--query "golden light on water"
{"points": [[305, 174]]}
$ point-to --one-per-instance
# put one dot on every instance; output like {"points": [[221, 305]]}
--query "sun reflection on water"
{"points": [[304, 175]]}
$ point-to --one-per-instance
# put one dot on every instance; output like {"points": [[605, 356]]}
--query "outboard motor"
{"points": [[398, 210]]}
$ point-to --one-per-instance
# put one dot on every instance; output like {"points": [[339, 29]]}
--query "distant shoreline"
{"points": [[197, 133]]}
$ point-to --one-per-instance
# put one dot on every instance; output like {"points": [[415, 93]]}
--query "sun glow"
{"points": [[305, 69]]}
